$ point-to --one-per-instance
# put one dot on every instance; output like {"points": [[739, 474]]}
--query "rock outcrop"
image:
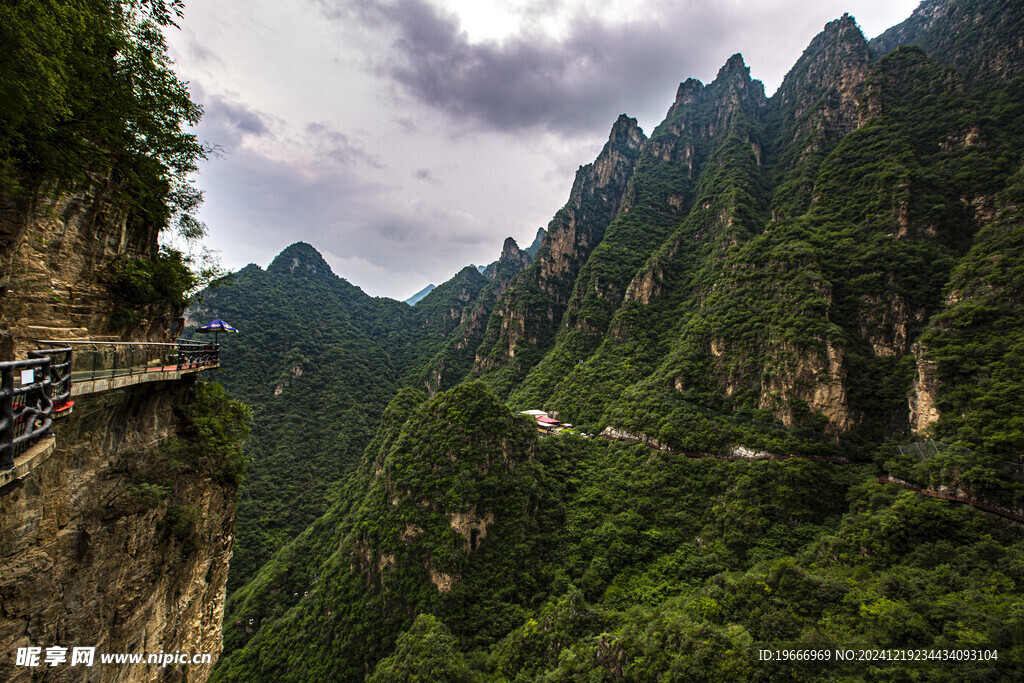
{"points": [[89, 556], [58, 251], [532, 309], [980, 39], [922, 398]]}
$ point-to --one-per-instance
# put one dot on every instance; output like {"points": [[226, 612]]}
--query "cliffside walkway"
{"points": [[749, 455], [103, 365], [956, 497], [39, 389]]}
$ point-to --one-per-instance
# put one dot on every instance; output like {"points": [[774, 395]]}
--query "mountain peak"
{"points": [[689, 90], [299, 257], [835, 60], [510, 249], [418, 296], [734, 64], [537, 242], [512, 260], [624, 127]]}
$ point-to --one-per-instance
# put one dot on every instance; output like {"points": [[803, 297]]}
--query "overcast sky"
{"points": [[405, 139]]}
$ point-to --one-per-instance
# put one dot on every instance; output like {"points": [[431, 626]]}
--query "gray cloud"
{"points": [[226, 122], [426, 175], [336, 146], [370, 107], [368, 231], [574, 85]]}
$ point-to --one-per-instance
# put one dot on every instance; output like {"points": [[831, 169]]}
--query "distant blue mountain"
{"points": [[415, 298]]}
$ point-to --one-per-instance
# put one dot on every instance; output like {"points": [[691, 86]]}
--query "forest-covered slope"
{"points": [[828, 273], [318, 359], [590, 559]]}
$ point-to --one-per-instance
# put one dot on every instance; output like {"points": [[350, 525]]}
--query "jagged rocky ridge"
{"points": [[775, 259]]}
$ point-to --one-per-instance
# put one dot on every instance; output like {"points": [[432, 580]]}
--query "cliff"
{"points": [[979, 38], [109, 541], [116, 530], [453, 363], [527, 316], [59, 251], [95, 554]]}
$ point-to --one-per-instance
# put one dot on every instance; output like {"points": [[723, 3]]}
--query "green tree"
{"points": [[426, 652], [87, 91]]}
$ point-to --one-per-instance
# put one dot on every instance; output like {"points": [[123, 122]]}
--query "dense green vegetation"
{"points": [[86, 91], [976, 345], [608, 561], [212, 426], [774, 275], [527, 317], [762, 308], [318, 360]]}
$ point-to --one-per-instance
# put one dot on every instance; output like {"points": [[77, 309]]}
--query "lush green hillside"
{"points": [[828, 274], [318, 360], [583, 559]]}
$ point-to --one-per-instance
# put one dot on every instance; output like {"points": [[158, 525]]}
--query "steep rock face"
{"points": [[818, 103], [512, 259], [454, 361], [532, 309], [817, 377], [969, 382], [665, 183], [862, 329], [57, 252], [685, 197], [922, 399], [980, 39], [535, 246], [783, 257], [835, 61], [86, 562]]}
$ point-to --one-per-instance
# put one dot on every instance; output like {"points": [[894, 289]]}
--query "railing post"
{"points": [[7, 419], [46, 395]]}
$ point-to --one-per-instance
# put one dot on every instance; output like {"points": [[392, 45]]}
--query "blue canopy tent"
{"points": [[216, 326]]}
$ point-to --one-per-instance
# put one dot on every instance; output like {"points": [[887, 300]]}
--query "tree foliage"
{"points": [[87, 91]]}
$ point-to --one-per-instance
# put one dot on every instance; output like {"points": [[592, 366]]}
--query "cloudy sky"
{"points": [[405, 139]]}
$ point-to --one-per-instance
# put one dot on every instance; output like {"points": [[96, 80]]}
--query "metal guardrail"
{"points": [[30, 389], [60, 372], [101, 360], [26, 410]]}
